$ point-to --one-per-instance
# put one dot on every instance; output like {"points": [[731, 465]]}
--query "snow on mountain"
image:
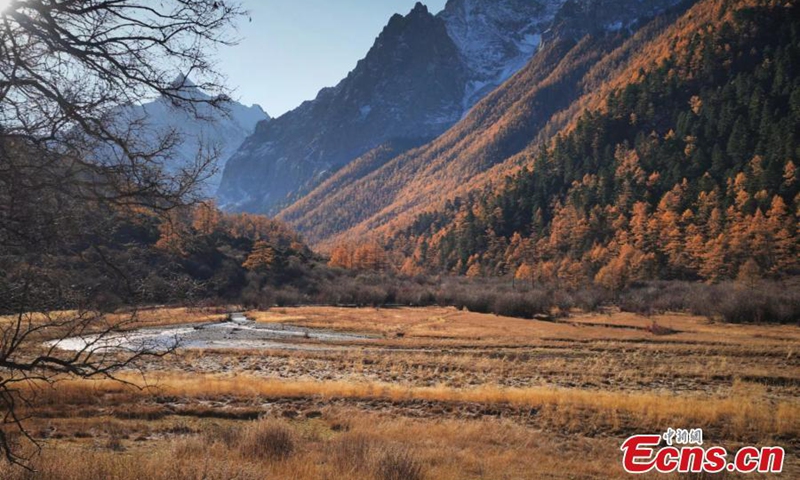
{"points": [[496, 38], [422, 75]]}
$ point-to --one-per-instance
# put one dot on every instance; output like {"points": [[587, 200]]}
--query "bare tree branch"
{"points": [[71, 167]]}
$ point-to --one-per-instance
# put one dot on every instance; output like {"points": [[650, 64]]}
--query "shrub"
{"points": [[415, 295], [636, 301], [370, 295], [659, 297], [590, 299], [288, 297], [475, 302], [761, 304], [222, 434], [398, 464], [114, 443], [253, 297], [268, 439], [521, 305], [657, 329]]}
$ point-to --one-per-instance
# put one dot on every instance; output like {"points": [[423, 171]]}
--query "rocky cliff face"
{"points": [[410, 85], [577, 18], [496, 38], [423, 74]]}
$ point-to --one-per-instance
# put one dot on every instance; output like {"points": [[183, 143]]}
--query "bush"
{"points": [[636, 301], [289, 297], [521, 305], [222, 434], [590, 299], [114, 443], [398, 464], [370, 295], [662, 296], [475, 302], [268, 439], [761, 304], [254, 297], [415, 295]]}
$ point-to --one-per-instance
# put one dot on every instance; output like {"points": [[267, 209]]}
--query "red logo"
{"points": [[645, 453]]}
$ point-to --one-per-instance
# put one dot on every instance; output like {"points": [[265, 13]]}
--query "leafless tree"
{"points": [[69, 167]]}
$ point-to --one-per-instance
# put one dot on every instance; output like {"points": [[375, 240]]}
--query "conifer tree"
{"points": [[262, 258]]}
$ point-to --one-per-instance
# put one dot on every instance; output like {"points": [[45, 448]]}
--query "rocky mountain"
{"points": [[422, 75], [204, 128], [678, 161], [574, 58], [496, 38], [409, 86]]}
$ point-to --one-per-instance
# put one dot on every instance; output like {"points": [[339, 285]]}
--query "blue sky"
{"points": [[293, 48]]}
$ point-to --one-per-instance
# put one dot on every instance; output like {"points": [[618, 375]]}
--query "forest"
{"points": [[606, 245], [689, 173]]}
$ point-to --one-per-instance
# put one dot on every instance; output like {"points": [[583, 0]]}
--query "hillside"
{"points": [[421, 76], [686, 169], [410, 85], [579, 57]]}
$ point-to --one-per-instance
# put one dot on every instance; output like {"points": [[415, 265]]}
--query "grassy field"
{"points": [[434, 393]]}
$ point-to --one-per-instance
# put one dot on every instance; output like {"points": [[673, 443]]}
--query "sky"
{"points": [[294, 48]]}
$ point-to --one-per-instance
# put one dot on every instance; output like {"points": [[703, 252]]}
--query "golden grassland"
{"points": [[343, 444], [444, 323], [746, 413], [438, 393]]}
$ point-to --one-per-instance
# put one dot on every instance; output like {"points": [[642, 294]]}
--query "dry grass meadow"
{"points": [[433, 393]]}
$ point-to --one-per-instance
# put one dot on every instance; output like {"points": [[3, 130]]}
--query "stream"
{"points": [[237, 332]]}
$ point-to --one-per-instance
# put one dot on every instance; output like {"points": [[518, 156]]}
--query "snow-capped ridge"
{"points": [[496, 38], [422, 75]]}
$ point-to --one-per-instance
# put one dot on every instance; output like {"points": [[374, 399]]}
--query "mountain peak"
{"points": [[418, 79], [409, 86], [420, 9], [258, 108], [398, 21]]}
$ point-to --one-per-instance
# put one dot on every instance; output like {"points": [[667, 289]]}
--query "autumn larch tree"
{"points": [[262, 258]]}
